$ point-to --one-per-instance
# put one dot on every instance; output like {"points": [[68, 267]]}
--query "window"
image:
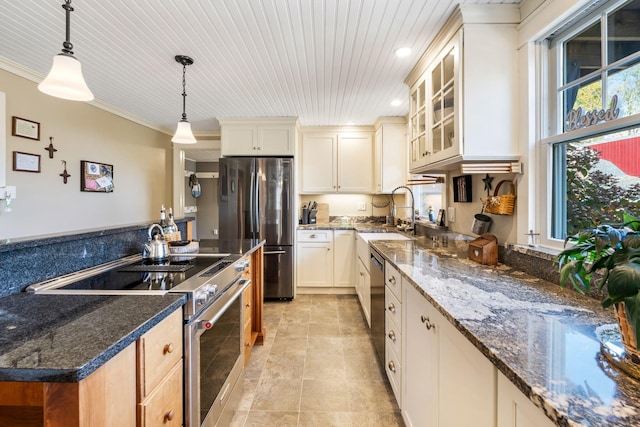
{"points": [[595, 137]]}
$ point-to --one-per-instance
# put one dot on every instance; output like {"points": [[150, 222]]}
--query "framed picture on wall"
{"points": [[26, 162], [462, 189], [25, 128], [96, 177]]}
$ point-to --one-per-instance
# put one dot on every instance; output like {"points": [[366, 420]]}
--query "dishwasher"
{"points": [[376, 269]]}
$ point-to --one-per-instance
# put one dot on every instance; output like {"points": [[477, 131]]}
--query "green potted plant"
{"points": [[608, 255]]}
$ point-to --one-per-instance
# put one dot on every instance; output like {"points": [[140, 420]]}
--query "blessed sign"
{"points": [[577, 119]]}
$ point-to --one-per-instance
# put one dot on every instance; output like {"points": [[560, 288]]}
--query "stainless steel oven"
{"points": [[214, 359]]}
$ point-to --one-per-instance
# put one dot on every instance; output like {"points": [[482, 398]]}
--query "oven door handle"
{"points": [[207, 324]]}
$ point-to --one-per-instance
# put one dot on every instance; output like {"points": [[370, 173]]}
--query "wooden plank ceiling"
{"points": [[324, 61]]}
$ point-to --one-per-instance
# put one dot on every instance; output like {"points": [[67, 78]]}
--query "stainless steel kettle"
{"points": [[157, 248]]}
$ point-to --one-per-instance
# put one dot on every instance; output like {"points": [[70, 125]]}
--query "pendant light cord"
{"points": [[184, 92], [67, 46]]}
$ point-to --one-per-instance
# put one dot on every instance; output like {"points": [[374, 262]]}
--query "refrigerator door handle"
{"points": [[256, 212], [252, 204], [273, 252]]}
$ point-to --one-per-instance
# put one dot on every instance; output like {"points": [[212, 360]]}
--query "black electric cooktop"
{"points": [[147, 276]]}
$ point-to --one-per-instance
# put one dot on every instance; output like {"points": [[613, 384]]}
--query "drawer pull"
{"points": [[248, 305], [247, 344], [392, 280], [392, 336], [392, 366], [167, 348], [313, 236], [169, 416], [392, 308]]}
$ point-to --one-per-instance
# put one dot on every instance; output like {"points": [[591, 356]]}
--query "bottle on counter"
{"points": [[171, 225], [163, 219], [432, 218]]}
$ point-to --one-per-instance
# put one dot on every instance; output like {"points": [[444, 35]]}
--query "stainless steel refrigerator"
{"points": [[255, 201]]}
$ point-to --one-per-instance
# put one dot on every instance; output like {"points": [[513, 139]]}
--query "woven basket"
{"points": [[626, 330], [172, 237], [502, 204]]}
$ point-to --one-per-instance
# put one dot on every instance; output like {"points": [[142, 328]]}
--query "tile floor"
{"points": [[317, 368]]}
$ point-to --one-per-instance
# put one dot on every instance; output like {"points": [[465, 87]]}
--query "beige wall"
{"points": [[140, 157]]}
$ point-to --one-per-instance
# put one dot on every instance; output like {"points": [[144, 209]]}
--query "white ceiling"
{"points": [[324, 61]]}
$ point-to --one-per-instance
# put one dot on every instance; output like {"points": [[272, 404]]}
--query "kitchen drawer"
{"points": [[393, 308], [164, 405], [393, 369], [393, 280], [158, 352], [315, 235], [247, 300], [393, 335]]}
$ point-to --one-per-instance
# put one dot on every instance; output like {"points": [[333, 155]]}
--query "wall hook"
{"points": [[64, 174], [50, 148]]}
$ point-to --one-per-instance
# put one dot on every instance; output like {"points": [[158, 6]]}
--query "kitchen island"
{"points": [[72, 360], [538, 336]]}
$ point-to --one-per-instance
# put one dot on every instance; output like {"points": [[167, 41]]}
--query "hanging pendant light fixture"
{"points": [[183, 132], [65, 77]]}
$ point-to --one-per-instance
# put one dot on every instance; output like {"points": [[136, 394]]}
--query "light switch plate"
{"points": [[9, 190], [451, 214], [362, 206]]}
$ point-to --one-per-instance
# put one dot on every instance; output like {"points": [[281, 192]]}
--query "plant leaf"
{"points": [[623, 281], [632, 307]]}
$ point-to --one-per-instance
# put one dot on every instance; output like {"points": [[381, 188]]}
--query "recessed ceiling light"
{"points": [[396, 102], [402, 52]]}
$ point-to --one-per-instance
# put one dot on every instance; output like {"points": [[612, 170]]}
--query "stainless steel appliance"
{"points": [[376, 269], [255, 201], [213, 350]]}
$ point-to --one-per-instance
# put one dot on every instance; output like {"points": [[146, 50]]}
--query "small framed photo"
{"points": [[462, 189], [26, 162], [25, 128], [96, 177]]}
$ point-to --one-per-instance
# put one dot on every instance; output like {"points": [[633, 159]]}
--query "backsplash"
{"points": [[33, 260]]}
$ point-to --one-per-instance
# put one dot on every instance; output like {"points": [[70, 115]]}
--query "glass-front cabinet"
{"points": [[433, 110], [464, 92]]}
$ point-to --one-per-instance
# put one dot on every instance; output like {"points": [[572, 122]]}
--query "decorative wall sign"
{"points": [[462, 189], [576, 119], [26, 162], [25, 128], [96, 177]]}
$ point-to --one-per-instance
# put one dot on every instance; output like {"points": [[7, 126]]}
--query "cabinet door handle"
{"points": [[167, 348], [392, 280], [392, 336], [168, 416], [392, 308], [392, 366], [427, 323], [247, 305]]}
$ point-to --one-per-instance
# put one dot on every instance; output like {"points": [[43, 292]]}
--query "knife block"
{"points": [[484, 249]]}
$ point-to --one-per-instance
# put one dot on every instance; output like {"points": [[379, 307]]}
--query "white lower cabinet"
{"points": [[446, 381], [325, 259], [314, 253], [393, 340], [363, 290], [515, 409], [344, 253]]}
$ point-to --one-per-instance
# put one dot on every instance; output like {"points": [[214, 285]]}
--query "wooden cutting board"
{"points": [[322, 216]]}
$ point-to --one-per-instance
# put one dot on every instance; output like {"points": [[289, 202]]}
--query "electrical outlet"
{"points": [[451, 214], [362, 206], [215, 231]]}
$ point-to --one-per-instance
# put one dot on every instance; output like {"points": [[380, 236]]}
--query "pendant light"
{"points": [[183, 132], [65, 77]]}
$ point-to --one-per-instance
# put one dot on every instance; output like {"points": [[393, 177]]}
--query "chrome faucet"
{"points": [[413, 207]]}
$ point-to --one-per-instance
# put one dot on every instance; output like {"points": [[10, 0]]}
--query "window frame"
{"points": [[550, 112]]}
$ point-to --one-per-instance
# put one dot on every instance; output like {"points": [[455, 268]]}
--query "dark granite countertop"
{"points": [[361, 227], [539, 335], [64, 338]]}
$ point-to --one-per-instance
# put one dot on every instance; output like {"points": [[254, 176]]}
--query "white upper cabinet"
{"points": [[463, 92], [390, 166], [337, 162], [258, 136]]}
